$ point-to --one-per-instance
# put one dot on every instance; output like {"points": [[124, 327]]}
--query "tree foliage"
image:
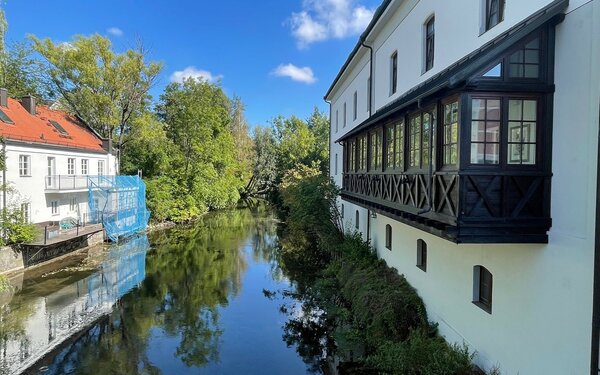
{"points": [[105, 89]]}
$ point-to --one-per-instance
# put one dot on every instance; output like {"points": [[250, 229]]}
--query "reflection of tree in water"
{"points": [[190, 274]]}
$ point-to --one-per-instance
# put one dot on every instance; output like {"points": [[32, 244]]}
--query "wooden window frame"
{"points": [[504, 120], [483, 280], [442, 129], [388, 237], [376, 133], [432, 112], [422, 255], [429, 43], [355, 106], [488, 13], [394, 73]]}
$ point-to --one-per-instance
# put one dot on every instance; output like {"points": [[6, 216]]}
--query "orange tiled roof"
{"points": [[37, 129]]}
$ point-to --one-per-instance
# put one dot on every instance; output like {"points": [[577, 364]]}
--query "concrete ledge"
{"points": [[25, 256]]}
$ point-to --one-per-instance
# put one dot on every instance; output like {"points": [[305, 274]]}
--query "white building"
{"points": [[464, 135], [49, 157]]}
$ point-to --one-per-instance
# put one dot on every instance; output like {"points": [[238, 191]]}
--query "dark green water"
{"points": [[182, 301]]}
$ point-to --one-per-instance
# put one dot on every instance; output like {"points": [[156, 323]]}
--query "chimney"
{"points": [[28, 102], [4, 98]]}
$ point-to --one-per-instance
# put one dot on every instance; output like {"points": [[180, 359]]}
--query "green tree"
{"points": [[105, 89]]}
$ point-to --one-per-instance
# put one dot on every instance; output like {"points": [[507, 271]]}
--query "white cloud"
{"points": [[304, 75], [115, 31], [320, 20], [192, 72]]}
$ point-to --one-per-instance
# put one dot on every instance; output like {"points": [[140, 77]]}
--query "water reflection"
{"points": [[39, 319], [198, 306]]}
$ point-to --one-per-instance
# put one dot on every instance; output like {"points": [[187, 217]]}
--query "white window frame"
{"points": [[393, 85], [101, 170], [337, 120], [73, 204], [85, 166], [54, 208], [345, 115], [26, 212], [71, 166], [25, 165]]}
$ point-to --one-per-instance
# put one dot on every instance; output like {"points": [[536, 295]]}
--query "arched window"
{"points": [[422, 255], [356, 223], [482, 288], [388, 237]]}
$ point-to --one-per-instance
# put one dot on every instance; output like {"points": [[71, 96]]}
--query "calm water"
{"points": [[182, 301]]}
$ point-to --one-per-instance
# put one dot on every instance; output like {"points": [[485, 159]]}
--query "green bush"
{"points": [[15, 229], [422, 354]]}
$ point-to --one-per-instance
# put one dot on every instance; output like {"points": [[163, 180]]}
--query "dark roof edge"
{"points": [[457, 72], [378, 13]]}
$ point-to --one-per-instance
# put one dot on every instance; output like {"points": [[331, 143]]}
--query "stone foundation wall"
{"points": [[28, 255]]}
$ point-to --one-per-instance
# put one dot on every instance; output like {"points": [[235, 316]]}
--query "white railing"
{"points": [[70, 182]]}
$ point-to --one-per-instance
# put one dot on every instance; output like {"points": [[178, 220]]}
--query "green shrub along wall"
{"points": [[379, 321]]}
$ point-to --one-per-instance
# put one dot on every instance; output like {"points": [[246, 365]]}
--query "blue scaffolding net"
{"points": [[119, 203]]}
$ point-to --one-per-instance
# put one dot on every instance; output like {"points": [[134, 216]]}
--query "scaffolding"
{"points": [[119, 203]]}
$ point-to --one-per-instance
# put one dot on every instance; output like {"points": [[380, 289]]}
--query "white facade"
{"points": [[542, 314], [53, 193]]}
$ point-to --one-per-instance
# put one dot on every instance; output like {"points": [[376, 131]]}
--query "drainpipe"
{"points": [[594, 368], [370, 76], [370, 93], [3, 178]]}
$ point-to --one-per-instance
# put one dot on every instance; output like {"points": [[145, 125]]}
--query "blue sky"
{"points": [[279, 56]]}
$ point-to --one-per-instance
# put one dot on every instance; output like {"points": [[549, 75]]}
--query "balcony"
{"points": [[460, 206], [70, 183]]}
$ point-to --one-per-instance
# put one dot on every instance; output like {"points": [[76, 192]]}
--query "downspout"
{"points": [[3, 178], [370, 93], [370, 76], [595, 365]]}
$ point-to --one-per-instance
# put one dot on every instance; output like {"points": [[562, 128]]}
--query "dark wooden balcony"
{"points": [[463, 207]]}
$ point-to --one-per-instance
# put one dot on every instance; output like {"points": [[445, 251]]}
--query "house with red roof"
{"points": [[50, 157]]}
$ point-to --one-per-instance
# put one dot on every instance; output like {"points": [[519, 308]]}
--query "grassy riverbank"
{"points": [[379, 321]]}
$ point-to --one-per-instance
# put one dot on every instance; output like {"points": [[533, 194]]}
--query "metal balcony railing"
{"points": [[69, 182]]}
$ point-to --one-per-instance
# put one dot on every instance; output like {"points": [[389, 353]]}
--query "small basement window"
{"points": [[482, 288], [388, 237], [422, 255]]}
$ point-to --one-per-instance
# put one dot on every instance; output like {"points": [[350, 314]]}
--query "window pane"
{"points": [[528, 154], [528, 132], [514, 153], [515, 110], [529, 110], [532, 56], [453, 154], [492, 132], [516, 57], [516, 70], [531, 71], [514, 132], [478, 109], [495, 72], [478, 131], [492, 153], [454, 132], [493, 109], [477, 153]]}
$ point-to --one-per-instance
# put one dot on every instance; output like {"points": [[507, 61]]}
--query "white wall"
{"points": [[32, 188], [542, 294]]}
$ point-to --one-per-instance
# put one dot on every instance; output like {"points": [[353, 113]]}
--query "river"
{"points": [[206, 299]]}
